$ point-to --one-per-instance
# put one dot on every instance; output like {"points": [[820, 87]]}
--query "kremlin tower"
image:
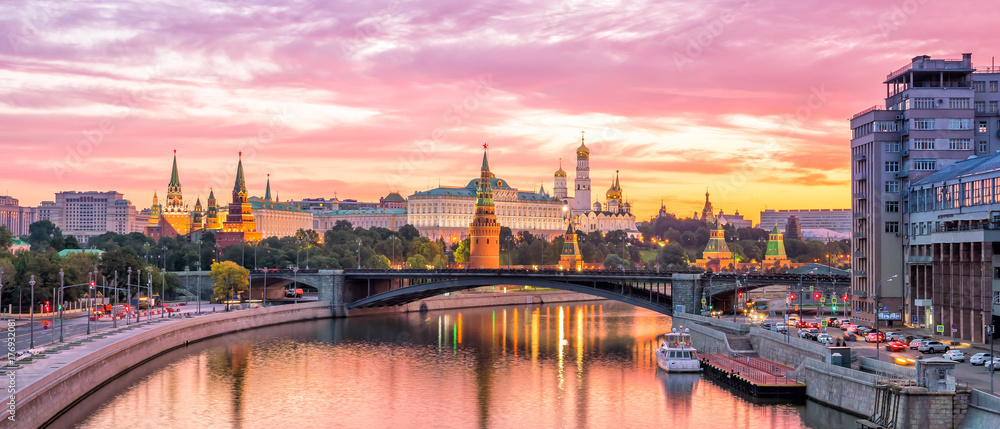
{"points": [[571, 258], [239, 226], [484, 231], [581, 196]]}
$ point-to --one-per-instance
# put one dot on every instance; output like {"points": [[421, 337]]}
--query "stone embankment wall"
{"points": [[982, 411], [787, 350], [476, 299], [846, 389], [42, 400]]}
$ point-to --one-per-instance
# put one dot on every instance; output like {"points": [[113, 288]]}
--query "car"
{"points": [[993, 363], [905, 361], [955, 355], [893, 335], [824, 339], [896, 346], [850, 336], [874, 337], [864, 330], [809, 334], [980, 358], [780, 329], [933, 347], [914, 343]]}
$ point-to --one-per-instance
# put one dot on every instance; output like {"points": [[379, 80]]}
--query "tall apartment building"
{"points": [[15, 217], [88, 214], [937, 112]]}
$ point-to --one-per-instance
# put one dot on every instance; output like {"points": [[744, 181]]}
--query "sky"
{"points": [[747, 99]]}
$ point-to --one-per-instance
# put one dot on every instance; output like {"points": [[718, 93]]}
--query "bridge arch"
{"points": [[640, 297]]}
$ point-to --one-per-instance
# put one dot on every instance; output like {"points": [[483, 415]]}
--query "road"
{"points": [[976, 376]]}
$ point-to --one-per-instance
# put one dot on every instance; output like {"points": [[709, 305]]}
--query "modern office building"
{"points": [[936, 112], [952, 248], [88, 214], [833, 219]]}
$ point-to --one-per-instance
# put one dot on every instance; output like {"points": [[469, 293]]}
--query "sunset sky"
{"points": [[750, 99]]}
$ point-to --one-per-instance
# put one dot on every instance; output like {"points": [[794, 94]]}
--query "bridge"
{"points": [[662, 292]]}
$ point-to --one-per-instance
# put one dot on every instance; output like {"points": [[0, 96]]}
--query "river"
{"points": [[578, 365]]}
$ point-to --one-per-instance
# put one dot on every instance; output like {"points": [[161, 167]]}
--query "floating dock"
{"points": [[753, 376]]}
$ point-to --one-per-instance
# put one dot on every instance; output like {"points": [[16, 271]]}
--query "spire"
{"points": [[486, 165], [174, 177], [240, 187], [706, 195], [267, 193], [211, 194], [617, 186]]}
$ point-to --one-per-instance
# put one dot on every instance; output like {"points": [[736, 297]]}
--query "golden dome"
{"points": [[583, 150], [614, 194], [560, 172]]}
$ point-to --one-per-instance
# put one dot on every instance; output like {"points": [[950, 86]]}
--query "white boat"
{"points": [[675, 353]]}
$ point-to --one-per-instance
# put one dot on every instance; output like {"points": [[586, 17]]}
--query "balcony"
{"points": [[860, 156], [919, 259], [859, 255], [860, 195], [870, 109], [860, 293], [859, 234], [859, 273], [860, 215], [861, 176]]}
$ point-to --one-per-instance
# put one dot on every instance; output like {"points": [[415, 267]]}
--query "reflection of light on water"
{"points": [[459, 324], [534, 337], [504, 329], [579, 343], [493, 335], [562, 342], [440, 332], [515, 332]]}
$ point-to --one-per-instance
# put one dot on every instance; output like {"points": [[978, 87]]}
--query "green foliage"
{"points": [[43, 235], [614, 262], [378, 261], [672, 254], [6, 238], [416, 261], [462, 251]]}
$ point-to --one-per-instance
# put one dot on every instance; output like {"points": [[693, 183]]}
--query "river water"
{"points": [[578, 365]]}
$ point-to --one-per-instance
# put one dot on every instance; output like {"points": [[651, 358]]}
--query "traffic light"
{"points": [[92, 283], [816, 295], [834, 308], [845, 297], [47, 309], [740, 294], [793, 297]]}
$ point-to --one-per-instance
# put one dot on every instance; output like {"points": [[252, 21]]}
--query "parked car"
{"points": [[874, 337], [914, 343], [993, 363], [896, 346], [980, 358], [933, 347], [955, 355], [824, 339]]}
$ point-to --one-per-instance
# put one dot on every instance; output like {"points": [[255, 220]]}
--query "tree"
{"points": [[43, 235], [343, 225], [6, 238], [229, 278], [672, 254], [379, 262], [462, 252], [416, 261], [408, 232], [613, 261]]}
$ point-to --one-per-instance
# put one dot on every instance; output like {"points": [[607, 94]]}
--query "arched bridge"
{"points": [[401, 287]]}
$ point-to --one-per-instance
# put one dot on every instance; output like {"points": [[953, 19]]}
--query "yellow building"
{"points": [[717, 255]]}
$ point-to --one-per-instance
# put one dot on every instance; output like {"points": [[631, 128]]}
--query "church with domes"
{"points": [[614, 214]]}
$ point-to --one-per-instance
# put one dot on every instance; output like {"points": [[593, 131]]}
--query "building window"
{"points": [[980, 106], [982, 147], [958, 103], [993, 107], [923, 124], [923, 103], [979, 86], [960, 124], [982, 127], [886, 126], [922, 144], [993, 86], [892, 206], [959, 144], [892, 186], [892, 227], [892, 147], [923, 165], [891, 166]]}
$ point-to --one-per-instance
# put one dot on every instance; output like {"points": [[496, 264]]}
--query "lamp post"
{"points": [[359, 255], [1, 290], [989, 331], [199, 285], [149, 292], [62, 283], [187, 271], [255, 245], [163, 284], [31, 321], [392, 265], [128, 296], [114, 315], [264, 295], [878, 307], [295, 277]]}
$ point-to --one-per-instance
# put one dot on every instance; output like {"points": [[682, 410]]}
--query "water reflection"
{"points": [[586, 365]]}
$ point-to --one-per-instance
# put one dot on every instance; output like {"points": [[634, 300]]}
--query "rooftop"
{"points": [[964, 168]]}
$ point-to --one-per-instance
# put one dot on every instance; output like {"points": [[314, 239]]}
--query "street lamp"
{"points": [[359, 255], [392, 265], [295, 277], [199, 284], [32, 313], [878, 289], [62, 283], [128, 296], [149, 292], [163, 284], [1, 289]]}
